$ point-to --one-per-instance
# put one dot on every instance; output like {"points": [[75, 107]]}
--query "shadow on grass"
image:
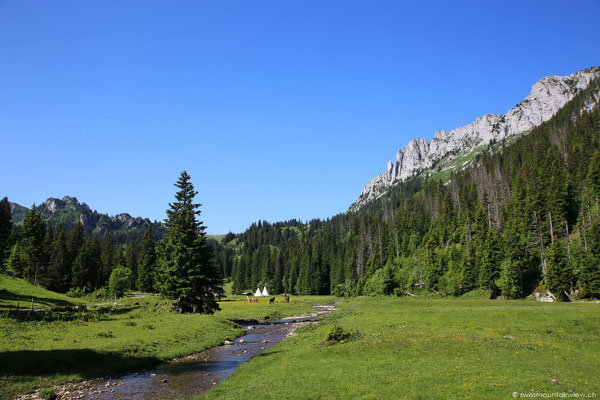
{"points": [[84, 362], [26, 300]]}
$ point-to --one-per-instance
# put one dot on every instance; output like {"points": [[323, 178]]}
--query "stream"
{"points": [[186, 377]]}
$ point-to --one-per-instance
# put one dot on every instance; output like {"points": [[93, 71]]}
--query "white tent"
{"points": [[265, 292], [258, 293]]}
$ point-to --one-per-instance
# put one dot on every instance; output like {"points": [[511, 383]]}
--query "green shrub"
{"points": [[101, 293], [336, 334], [74, 293], [119, 281], [148, 326], [48, 394], [129, 323], [105, 334]]}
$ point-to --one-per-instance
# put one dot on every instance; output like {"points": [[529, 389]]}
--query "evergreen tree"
{"points": [[490, 265], [59, 269], [131, 260], [558, 273], [590, 268], [75, 240], [187, 273], [147, 263], [5, 230], [32, 235], [87, 265], [17, 261]]}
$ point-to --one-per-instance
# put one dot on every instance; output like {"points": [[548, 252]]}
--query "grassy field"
{"points": [[431, 349], [399, 348], [135, 333], [15, 291], [238, 308]]}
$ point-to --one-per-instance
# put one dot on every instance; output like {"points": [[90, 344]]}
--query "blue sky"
{"points": [[278, 109]]}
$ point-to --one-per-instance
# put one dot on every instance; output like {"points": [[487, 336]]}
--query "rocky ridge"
{"points": [[547, 96], [68, 211]]}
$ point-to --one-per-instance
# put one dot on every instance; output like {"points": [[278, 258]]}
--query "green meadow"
{"points": [[413, 348], [431, 349], [113, 338], [18, 292]]}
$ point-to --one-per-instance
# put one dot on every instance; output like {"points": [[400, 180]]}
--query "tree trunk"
{"points": [[551, 229]]}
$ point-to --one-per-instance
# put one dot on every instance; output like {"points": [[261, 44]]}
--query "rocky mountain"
{"points": [[420, 156], [68, 211]]}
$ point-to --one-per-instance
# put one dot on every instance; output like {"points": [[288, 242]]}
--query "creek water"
{"points": [[186, 377]]}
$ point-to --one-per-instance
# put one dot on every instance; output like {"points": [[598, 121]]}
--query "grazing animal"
{"points": [[249, 299], [255, 300], [287, 299], [272, 300]]}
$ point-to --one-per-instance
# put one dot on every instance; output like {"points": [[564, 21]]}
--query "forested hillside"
{"points": [[68, 212], [524, 214]]}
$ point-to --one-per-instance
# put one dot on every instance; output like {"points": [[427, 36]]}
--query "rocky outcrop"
{"points": [[547, 96], [53, 205], [68, 211]]}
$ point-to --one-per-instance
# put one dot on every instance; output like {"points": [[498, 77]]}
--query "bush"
{"points": [[101, 293], [74, 293], [105, 334], [336, 333], [119, 281], [48, 394]]}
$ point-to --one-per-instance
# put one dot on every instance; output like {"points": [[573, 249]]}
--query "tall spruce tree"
{"points": [[86, 267], [5, 230], [59, 269], [558, 274], [590, 268], [147, 263], [186, 269], [33, 234]]}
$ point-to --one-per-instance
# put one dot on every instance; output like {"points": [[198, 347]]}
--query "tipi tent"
{"points": [[258, 293], [265, 292]]}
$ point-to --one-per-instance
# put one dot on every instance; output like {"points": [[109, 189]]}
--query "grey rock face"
{"points": [[547, 96]]}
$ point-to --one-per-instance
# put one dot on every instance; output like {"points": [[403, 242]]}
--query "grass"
{"points": [[456, 165], [38, 354], [218, 238], [15, 291], [430, 349], [238, 308], [136, 333]]}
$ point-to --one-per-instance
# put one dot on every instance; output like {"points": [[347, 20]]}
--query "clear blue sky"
{"points": [[277, 109]]}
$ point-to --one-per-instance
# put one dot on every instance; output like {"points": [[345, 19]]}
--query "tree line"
{"points": [[179, 266], [523, 217]]}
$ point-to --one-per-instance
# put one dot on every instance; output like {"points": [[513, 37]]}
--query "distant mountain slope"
{"points": [[68, 211], [419, 156]]}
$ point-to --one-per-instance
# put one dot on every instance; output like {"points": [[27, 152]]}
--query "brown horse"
{"points": [[287, 299]]}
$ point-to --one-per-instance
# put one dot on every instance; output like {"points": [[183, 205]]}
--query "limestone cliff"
{"points": [[547, 96]]}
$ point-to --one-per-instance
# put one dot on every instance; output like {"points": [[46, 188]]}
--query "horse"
{"points": [[272, 300], [287, 299], [255, 300]]}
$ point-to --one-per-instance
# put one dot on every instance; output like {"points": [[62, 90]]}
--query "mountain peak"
{"points": [[547, 96], [68, 211]]}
